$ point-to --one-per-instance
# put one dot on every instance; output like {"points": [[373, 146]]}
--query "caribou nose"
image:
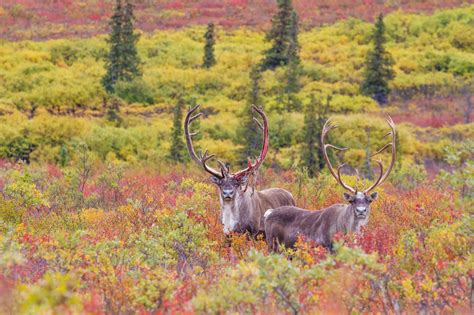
{"points": [[227, 193], [361, 210]]}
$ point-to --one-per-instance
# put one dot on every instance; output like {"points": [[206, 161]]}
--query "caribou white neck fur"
{"points": [[237, 213], [230, 213]]}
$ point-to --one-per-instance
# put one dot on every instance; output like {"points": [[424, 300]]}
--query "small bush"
{"points": [[136, 91]]}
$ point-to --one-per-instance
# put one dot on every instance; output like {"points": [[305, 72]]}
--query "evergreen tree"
{"points": [[284, 37], [293, 44], [314, 119], [123, 61], [63, 156], [178, 151], [290, 86], [250, 135], [114, 60], [209, 59], [378, 66], [131, 60]]}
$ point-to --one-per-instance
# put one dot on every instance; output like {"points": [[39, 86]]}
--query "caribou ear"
{"points": [[347, 196], [215, 180], [374, 196]]}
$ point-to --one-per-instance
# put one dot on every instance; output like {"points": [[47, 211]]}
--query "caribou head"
{"points": [[229, 184]]}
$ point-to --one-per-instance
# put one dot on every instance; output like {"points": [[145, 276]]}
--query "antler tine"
{"points": [[343, 184], [258, 109], [222, 164], [200, 159], [258, 123], [224, 168], [206, 156], [193, 109], [336, 174], [336, 148], [378, 181], [393, 146], [191, 119], [263, 153], [390, 121], [388, 145]]}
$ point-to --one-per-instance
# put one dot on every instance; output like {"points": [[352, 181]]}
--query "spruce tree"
{"points": [[178, 152], [114, 59], [250, 135], [63, 156], [314, 118], [123, 62], [131, 60], [209, 36], [284, 37], [293, 44], [290, 86], [378, 66]]}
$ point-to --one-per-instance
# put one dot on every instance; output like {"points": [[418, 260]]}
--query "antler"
{"points": [[252, 167], [392, 144], [337, 173], [377, 182], [328, 126], [200, 159]]}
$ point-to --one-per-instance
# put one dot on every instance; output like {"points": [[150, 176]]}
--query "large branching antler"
{"points": [[328, 126], [251, 168], [337, 173], [393, 146], [201, 159]]}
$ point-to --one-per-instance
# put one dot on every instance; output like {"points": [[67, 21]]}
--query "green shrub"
{"points": [[250, 284], [55, 292], [136, 91]]}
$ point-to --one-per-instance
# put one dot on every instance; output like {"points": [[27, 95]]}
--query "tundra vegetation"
{"points": [[97, 217]]}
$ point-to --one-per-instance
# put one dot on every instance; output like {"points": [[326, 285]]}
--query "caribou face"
{"points": [[228, 187], [360, 203]]}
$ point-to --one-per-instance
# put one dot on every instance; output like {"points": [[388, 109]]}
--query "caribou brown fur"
{"points": [[283, 225], [242, 209], [244, 213]]}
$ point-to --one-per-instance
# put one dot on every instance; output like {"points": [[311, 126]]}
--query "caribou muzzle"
{"points": [[361, 212]]}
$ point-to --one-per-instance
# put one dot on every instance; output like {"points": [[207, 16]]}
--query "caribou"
{"points": [[242, 209], [283, 225]]}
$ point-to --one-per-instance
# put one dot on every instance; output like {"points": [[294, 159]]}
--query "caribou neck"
{"points": [[235, 212], [348, 222]]}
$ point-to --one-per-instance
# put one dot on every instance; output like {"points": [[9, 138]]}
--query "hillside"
{"points": [[57, 83], [46, 19]]}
